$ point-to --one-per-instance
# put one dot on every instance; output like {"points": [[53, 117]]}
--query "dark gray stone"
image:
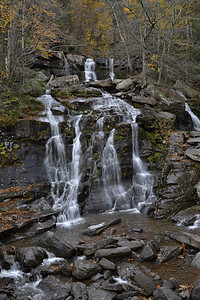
{"points": [[185, 237], [78, 289], [116, 287], [196, 290], [165, 294], [56, 245], [196, 261], [116, 252], [148, 252], [133, 245], [145, 283], [54, 288], [65, 270], [106, 264], [96, 294], [84, 269], [30, 256]]}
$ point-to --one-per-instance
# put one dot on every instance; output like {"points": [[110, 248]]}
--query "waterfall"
{"points": [[90, 70], [64, 177], [111, 174], [195, 119], [111, 69], [97, 159], [67, 67], [140, 190]]}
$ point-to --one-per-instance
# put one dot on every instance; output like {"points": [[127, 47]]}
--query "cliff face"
{"points": [[168, 146]]}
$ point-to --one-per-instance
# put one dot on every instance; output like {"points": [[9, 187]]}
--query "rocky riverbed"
{"points": [[124, 255]]}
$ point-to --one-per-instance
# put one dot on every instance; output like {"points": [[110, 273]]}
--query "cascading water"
{"points": [[63, 176], [100, 156], [90, 70], [67, 67], [111, 69], [116, 196], [111, 174], [195, 119]]}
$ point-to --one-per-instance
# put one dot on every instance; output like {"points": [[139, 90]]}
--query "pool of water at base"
{"points": [[152, 229]]}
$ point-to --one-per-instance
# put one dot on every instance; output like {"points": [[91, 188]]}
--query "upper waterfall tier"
{"points": [[90, 70]]}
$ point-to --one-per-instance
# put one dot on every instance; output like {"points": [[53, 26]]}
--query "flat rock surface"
{"points": [[185, 237]]}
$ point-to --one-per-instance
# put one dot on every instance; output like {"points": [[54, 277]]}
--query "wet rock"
{"points": [[3, 297], [30, 256], [129, 295], [148, 252], [64, 81], [106, 264], [197, 186], [65, 269], [84, 269], [107, 274], [133, 245], [92, 248], [56, 245], [96, 294], [116, 287], [78, 290], [165, 294], [54, 288], [144, 100], [196, 290], [185, 237], [97, 277], [76, 59], [106, 84], [99, 228], [6, 260], [116, 252], [194, 154], [185, 89], [145, 283], [187, 217], [167, 253], [125, 85], [196, 261]]}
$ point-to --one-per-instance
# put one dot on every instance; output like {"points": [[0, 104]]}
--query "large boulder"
{"points": [[56, 245], [115, 252], [84, 269], [76, 59], [30, 256], [125, 85], [64, 81], [185, 89]]}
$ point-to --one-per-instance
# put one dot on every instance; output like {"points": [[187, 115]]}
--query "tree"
{"points": [[26, 27]]}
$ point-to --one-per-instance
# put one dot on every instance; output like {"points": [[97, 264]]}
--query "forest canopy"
{"points": [[155, 37]]}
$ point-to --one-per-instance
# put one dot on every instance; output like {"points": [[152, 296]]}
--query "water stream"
{"points": [[64, 176], [111, 69], [90, 70], [66, 173], [195, 119]]}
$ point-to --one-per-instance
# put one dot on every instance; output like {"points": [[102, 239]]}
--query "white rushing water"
{"points": [[111, 69], [67, 67], [64, 176], [90, 70], [100, 155], [195, 119], [116, 195]]}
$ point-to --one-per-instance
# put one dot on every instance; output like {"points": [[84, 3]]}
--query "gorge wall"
{"points": [[168, 146]]}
